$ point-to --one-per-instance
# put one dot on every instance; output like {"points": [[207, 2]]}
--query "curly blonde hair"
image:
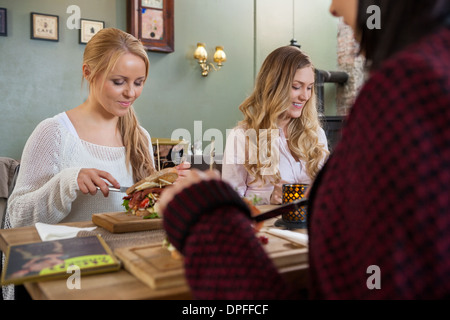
{"points": [[101, 55], [270, 100]]}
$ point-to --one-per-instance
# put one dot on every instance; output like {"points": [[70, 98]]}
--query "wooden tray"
{"points": [[284, 253], [120, 222], [155, 266]]}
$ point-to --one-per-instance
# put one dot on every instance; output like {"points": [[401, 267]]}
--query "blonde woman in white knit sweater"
{"points": [[100, 142]]}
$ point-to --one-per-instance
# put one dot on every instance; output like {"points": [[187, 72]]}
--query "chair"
{"points": [[199, 162], [333, 128], [9, 169], [168, 148]]}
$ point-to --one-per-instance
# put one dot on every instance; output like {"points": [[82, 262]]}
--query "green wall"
{"points": [[39, 79]]}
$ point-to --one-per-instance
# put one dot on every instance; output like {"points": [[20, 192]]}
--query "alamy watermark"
{"points": [[374, 21], [73, 22], [259, 149], [243, 146], [374, 281], [74, 280]]}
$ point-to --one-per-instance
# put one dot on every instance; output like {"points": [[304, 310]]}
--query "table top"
{"points": [[120, 285]]}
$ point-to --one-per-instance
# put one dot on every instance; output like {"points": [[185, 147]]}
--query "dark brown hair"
{"points": [[402, 23]]}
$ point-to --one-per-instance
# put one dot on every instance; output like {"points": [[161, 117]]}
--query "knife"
{"points": [[121, 189], [284, 208]]}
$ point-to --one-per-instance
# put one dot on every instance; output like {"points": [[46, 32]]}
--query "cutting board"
{"points": [[120, 222], [154, 265]]}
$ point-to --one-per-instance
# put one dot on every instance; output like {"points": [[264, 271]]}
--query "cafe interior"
{"points": [[202, 67]]}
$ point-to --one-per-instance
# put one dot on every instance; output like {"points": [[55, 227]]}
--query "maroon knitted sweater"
{"points": [[382, 201], [383, 198], [210, 225]]}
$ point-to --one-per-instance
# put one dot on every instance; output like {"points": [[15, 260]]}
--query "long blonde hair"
{"points": [[101, 54], [270, 100]]}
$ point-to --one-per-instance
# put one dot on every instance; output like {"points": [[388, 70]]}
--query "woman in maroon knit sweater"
{"points": [[379, 209]]}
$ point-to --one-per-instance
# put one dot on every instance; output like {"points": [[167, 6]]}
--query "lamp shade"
{"points": [[219, 55], [200, 53]]}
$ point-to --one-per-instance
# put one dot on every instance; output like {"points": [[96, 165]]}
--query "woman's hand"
{"points": [[183, 169], [89, 179], [277, 194], [190, 177]]}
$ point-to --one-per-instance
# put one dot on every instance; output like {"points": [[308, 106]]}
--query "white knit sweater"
{"points": [[47, 190]]}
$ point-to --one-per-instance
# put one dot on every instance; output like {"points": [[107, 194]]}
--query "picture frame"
{"points": [[3, 22], [44, 26], [152, 22], [88, 28]]}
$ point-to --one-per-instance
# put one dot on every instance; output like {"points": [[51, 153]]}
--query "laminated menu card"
{"points": [[57, 259]]}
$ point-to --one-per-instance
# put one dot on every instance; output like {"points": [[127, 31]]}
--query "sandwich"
{"points": [[141, 199]]}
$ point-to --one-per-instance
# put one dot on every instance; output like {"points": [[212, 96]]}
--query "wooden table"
{"points": [[120, 285]]}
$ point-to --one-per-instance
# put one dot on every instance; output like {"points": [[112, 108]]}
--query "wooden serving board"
{"points": [[154, 265], [120, 222], [284, 253]]}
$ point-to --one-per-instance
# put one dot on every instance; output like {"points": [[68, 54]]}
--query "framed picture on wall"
{"points": [[44, 27], [155, 4], [3, 23], [88, 28], [152, 22]]}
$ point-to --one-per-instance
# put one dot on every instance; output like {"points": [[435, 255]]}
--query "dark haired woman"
{"points": [[379, 224], [394, 212]]}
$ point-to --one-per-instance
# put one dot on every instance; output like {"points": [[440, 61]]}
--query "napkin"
{"points": [[49, 232], [296, 237]]}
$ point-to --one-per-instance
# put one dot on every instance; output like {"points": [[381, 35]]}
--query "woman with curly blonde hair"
{"points": [[280, 140]]}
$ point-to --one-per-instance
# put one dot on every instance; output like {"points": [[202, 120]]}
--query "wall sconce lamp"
{"points": [[201, 55]]}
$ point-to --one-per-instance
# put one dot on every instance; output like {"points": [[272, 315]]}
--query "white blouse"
{"points": [[234, 172], [47, 190]]}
